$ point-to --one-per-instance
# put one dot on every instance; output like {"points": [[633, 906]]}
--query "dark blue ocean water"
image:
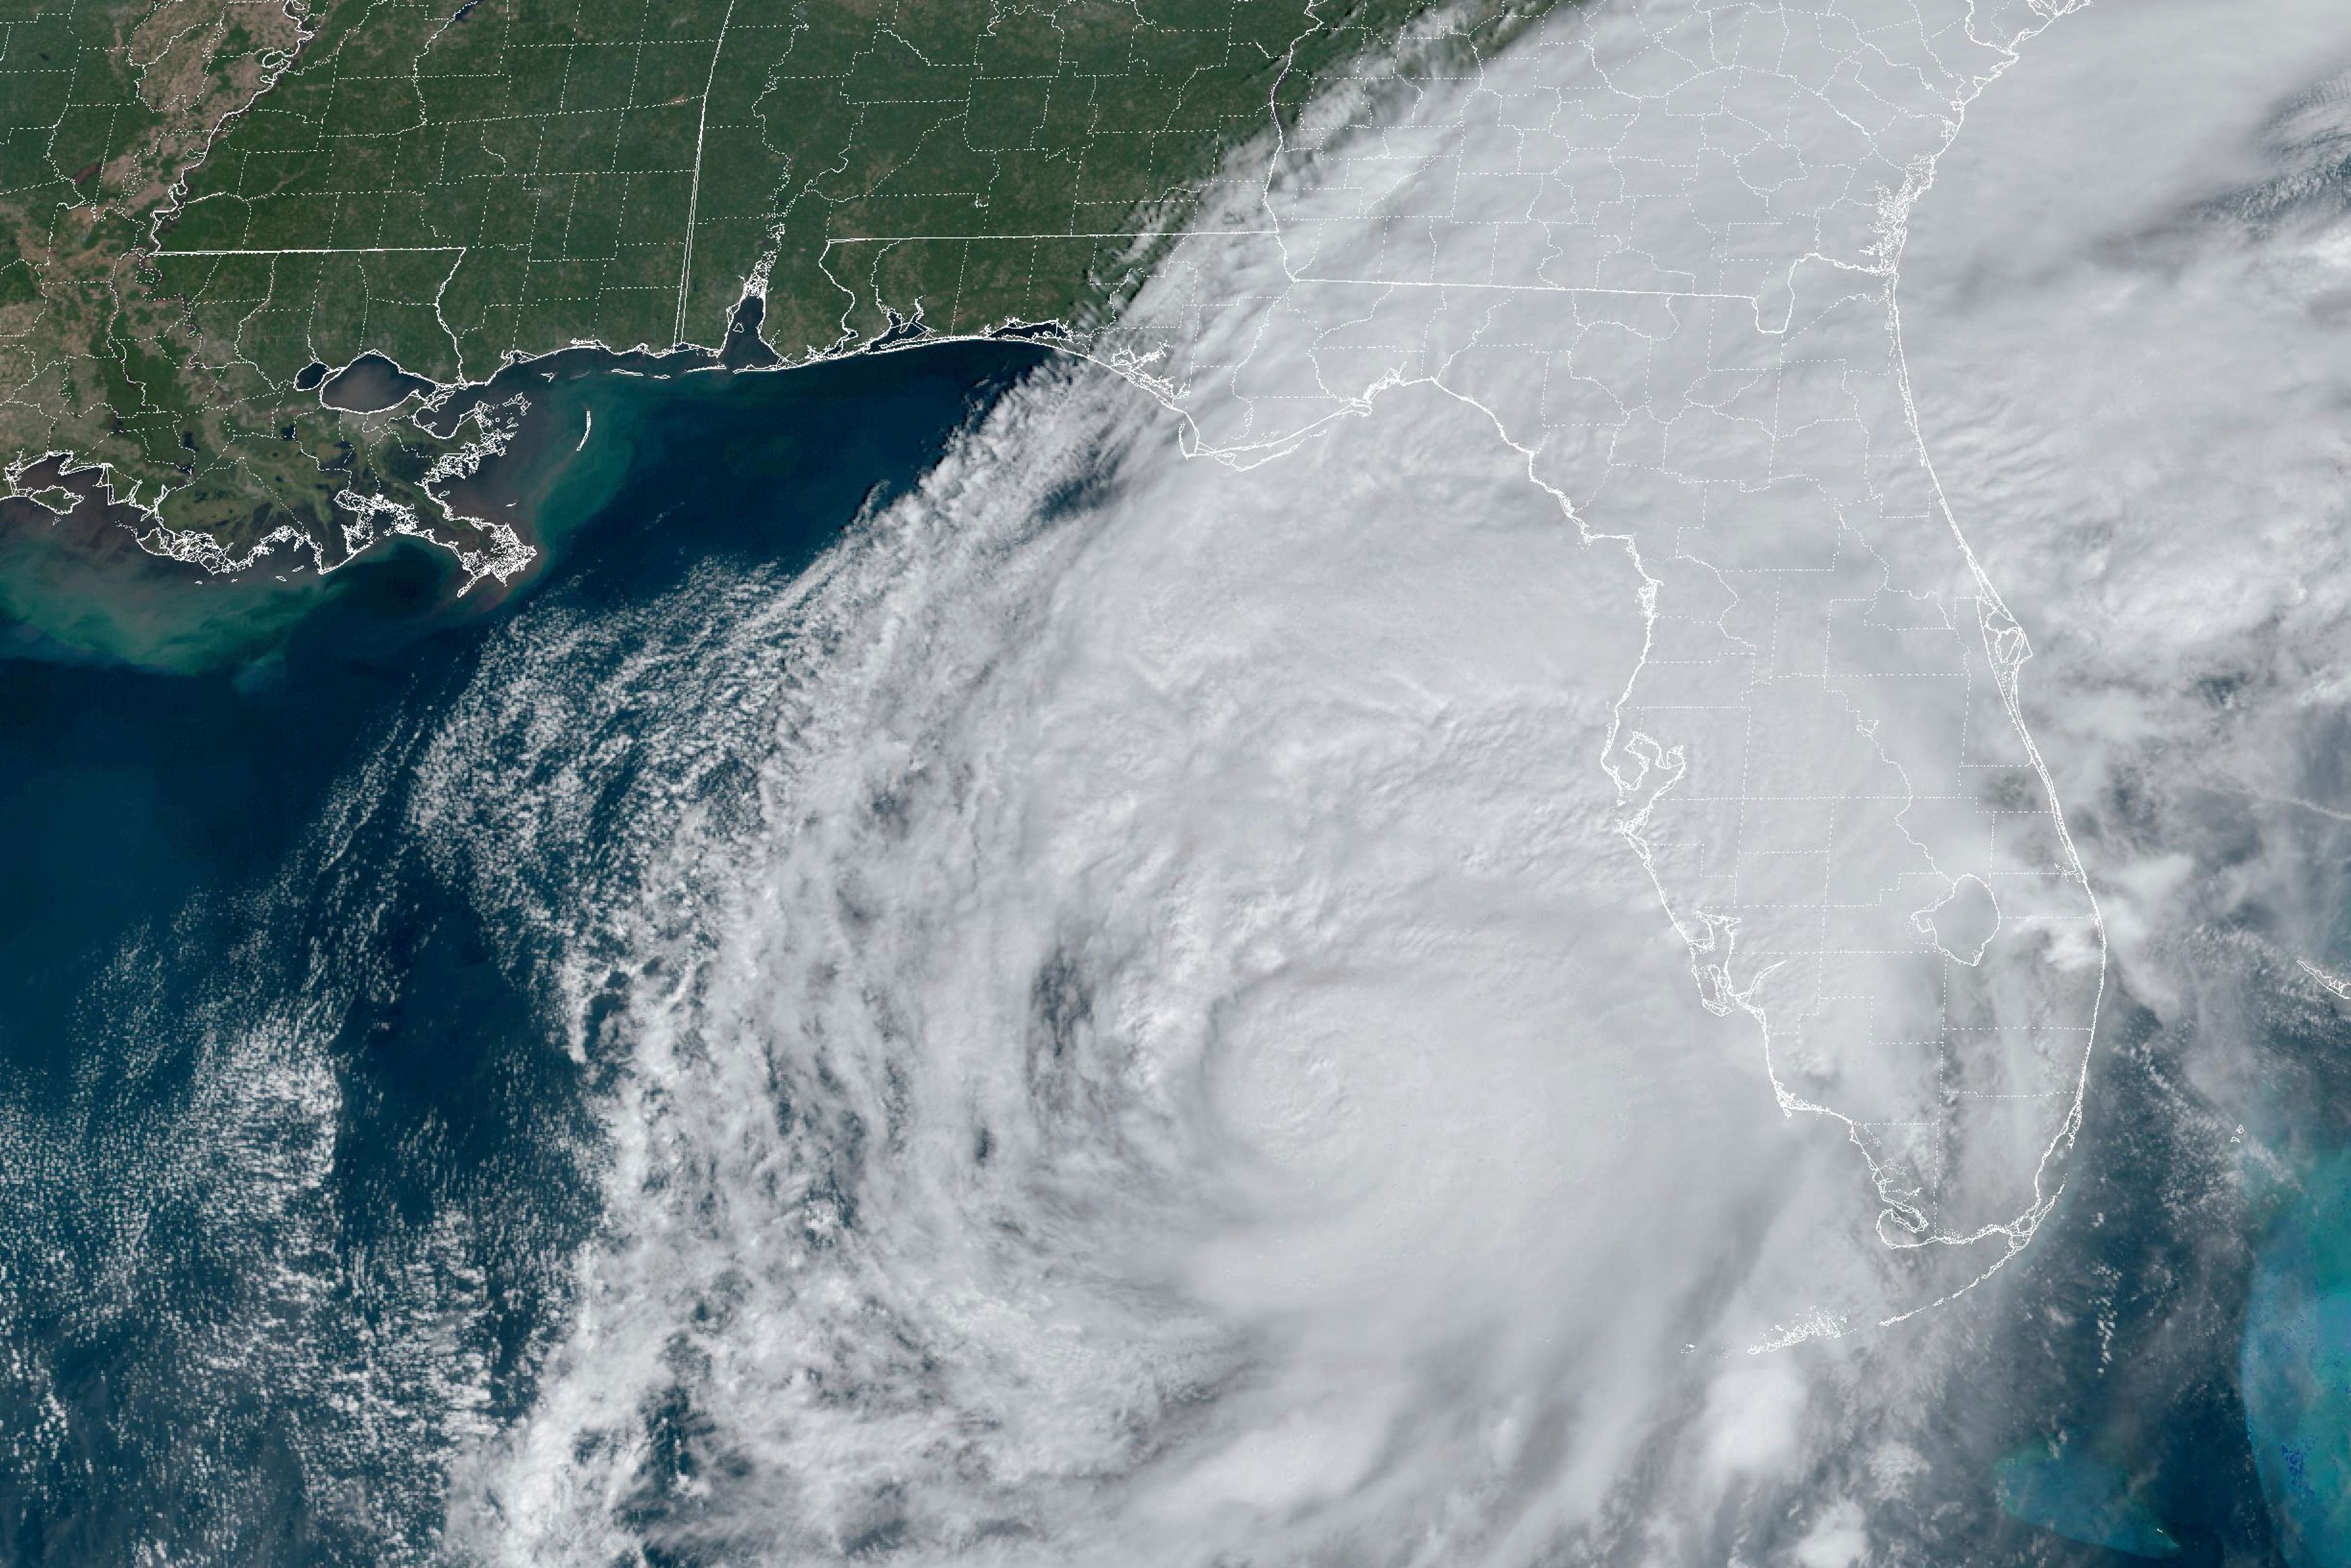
{"points": [[293, 1165], [238, 1270]]}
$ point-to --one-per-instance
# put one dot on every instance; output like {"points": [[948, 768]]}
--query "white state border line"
{"points": [[694, 196], [904, 239], [323, 250]]}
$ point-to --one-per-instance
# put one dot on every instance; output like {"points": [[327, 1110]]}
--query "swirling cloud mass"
{"points": [[1451, 907]]}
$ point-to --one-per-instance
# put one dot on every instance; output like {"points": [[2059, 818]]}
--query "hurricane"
{"points": [[1122, 1039], [1470, 896]]}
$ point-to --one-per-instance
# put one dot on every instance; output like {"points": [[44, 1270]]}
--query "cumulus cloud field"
{"points": [[1454, 911]]}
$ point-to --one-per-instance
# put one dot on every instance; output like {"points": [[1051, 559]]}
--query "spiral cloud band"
{"points": [[1156, 996]]}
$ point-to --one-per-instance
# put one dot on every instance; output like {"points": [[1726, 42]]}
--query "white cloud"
{"points": [[2123, 324], [1838, 1539], [1357, 1158], [1752, 1417], [1171, 1052], [1653, 244]]}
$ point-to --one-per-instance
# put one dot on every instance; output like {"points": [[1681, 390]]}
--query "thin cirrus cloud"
{"points": [[1155, 1040], [1182, 1065], [1173, 1057], [2125, 322]]}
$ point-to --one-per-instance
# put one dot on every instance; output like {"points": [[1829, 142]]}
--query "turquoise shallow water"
{"points": [[126, 790], [2296, 1369], [290, 1168], [2082, 1499]]}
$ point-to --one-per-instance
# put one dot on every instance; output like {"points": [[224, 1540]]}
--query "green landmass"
{"points": [[201, 198]]}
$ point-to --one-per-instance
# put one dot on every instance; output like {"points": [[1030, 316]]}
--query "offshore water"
{"points": [[293, 1167], [289, 1168]]}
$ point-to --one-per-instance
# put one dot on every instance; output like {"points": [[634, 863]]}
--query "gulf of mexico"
{"points": [[290, 1170]]}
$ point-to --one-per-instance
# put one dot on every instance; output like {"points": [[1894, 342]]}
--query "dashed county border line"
{"points": [[837, 240], [843, 240], [693, 192], [1303, 277], [336, 250], [202, 198], [1657, 244]]}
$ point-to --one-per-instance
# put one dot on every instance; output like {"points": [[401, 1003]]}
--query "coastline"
{"points": [[176, 740], [555, 440]]}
